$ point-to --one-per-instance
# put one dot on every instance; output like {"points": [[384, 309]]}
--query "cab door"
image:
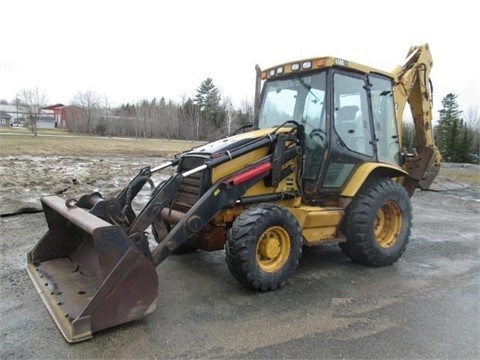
{"points": [[351, 134]]}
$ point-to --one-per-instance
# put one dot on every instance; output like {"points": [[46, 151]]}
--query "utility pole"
{"points": [[16, 102]]}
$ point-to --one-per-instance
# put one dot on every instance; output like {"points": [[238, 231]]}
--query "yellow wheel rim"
{"points": [[388, 224], [273, 249]]}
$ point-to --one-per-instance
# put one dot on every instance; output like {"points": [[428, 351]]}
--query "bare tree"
{"points": [[33, 101], [229, 112], [74, 119], [137, 120], [473, 117], [143, 110], [473, 124], [89, 102], [108, 121]]}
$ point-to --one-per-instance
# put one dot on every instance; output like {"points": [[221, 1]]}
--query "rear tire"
{"points": [[264, 247], [377, 223]]}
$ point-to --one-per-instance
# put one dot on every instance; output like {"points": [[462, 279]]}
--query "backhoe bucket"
{"points": [[89, 274]]}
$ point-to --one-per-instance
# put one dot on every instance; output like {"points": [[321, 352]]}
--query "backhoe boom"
{"points": [[412, 86]]}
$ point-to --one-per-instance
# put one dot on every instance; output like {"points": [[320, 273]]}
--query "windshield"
{"points": [[300, 98]]}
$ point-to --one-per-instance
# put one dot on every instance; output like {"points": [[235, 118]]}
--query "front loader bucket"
{"points": [[89, 274]]}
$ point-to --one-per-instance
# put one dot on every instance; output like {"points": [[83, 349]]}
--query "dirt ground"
{"points": [[24, 179], [425, 306]]}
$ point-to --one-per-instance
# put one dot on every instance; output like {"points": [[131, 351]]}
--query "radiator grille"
{"points": [[191, 188]]}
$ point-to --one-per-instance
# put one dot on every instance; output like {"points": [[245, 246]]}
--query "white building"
{"points": [[12, 115]]}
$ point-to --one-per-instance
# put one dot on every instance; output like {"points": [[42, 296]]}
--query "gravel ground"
{"points": [[425, 306]]}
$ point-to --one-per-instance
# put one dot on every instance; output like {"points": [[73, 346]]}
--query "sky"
{"points": [[126, 51]]}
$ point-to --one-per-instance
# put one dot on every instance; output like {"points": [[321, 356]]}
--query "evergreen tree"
{"points": [[163, 103], [126, 110], [452, 136], [245, 113], [208, 101]]}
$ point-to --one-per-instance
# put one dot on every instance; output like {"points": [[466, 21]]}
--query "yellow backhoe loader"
{"points": [[321, 163]]}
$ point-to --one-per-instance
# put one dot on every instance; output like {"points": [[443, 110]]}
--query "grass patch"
{"points": [[26, 130], [465, 174], [50, 145]]}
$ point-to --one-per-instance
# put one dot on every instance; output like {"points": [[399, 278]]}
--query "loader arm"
{"points": [[412, 86], [220, 196]]}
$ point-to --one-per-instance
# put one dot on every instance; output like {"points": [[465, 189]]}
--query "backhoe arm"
{"points": [[412, 86]]}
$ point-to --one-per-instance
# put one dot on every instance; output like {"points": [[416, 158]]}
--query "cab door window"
{"points": [[351, 114]]}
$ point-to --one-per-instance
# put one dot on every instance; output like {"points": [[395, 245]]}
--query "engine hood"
{"points": [[227, 143]]}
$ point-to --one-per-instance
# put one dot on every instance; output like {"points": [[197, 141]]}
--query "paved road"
{"points": [[425, 306]]}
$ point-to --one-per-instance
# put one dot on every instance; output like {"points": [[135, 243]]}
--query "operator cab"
{"points": [[348, 117]]}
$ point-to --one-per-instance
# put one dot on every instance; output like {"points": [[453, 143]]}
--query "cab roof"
{"points": [[307, 65]]}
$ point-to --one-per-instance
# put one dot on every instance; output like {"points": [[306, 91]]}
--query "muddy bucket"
{"points": [[89, 274]]}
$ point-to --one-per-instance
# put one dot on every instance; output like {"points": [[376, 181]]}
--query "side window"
{"points": [[351, 114], [313, 114], [384, 122], [278, 107]]}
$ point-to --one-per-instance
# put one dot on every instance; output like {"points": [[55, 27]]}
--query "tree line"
{"points": [[207, 116], [204, 117]]}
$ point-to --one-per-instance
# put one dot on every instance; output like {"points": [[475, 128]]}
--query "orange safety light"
{"points": [[320, 62]]}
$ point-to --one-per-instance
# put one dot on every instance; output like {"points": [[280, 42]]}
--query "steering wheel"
{"points": [[322, 134], [316, 139]]}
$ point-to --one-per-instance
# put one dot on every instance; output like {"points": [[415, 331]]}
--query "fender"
{"points": [[364, 171]]}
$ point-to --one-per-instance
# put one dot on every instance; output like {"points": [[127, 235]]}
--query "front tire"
{"points": [[377, 223], [264, 247]]}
